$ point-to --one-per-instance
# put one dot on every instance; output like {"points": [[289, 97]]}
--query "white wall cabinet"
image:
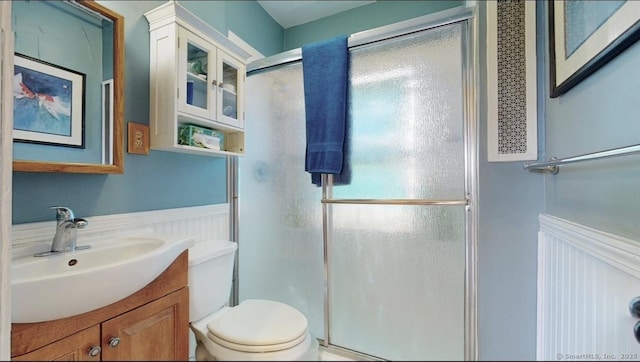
{"points": [[197, 78]]}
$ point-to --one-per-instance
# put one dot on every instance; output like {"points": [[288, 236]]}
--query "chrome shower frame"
{"points": [[467, 16]]}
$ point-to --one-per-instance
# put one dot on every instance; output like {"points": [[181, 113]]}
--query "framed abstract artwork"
{"points": [[48, 103], [585, 35]]}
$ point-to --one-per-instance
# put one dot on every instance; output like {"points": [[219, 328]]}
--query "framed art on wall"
{"points": [[585, 35], [48, 103]]}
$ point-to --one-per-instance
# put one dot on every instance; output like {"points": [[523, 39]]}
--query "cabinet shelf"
{"points": [[197, 77], [233, 144], [200, 151], [182, 119]]}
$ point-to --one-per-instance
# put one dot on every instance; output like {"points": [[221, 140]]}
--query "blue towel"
{"points": [[325, 67]]}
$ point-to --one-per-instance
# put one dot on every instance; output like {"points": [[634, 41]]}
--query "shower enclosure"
{"points": [[380, 259]]}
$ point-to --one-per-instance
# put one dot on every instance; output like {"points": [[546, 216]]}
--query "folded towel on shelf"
{"points": [[325, 66]]}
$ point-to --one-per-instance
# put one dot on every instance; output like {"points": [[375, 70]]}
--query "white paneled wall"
{"points": [[586, 279], [200, 222]]}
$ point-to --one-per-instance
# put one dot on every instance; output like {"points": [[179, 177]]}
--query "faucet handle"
{"points": [[63, 213], [80, 222]]}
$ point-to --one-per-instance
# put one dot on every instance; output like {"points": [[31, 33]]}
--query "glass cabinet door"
{"points": [[231, 90], [196, 84]]}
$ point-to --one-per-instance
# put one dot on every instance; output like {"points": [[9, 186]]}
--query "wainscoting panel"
{"points": [[586, 279], [200, 222]]}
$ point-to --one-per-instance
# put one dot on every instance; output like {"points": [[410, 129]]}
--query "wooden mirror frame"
{"points": [[118, 109]]}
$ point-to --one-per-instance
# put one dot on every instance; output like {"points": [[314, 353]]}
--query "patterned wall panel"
{"points": [[511, 80]]}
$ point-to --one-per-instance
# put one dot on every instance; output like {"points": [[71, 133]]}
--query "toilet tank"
{"points": [[210, 276]]}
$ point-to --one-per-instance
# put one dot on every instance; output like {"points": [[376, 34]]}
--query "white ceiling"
{"points": [[292, 13]]}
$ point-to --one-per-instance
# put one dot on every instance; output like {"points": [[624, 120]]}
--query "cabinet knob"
{"points": [[214, 82], [220, 84], [94, 351], [114, 342]]}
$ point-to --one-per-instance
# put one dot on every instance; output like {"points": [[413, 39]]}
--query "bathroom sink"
{"points": [[67, 284]]}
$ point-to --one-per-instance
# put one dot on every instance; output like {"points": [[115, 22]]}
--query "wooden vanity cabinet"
{"points": [[75, 347], [149, 333], [150, 325]]}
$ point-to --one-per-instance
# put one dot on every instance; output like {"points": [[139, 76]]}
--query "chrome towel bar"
{"points": [[554, 164], [395, 202]]}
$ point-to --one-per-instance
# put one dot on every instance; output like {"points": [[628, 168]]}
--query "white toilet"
{"points": [[254, 330]]}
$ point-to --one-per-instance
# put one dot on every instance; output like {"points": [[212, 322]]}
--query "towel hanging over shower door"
{"points": [[325, 75]]}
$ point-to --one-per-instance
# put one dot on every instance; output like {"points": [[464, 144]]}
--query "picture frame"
{"points": [[585, 35], [48, 103], [138, 138]]}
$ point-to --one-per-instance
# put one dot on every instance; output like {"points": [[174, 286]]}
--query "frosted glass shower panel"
{"points": [[280, 218], [397, 272], [406, 118]]}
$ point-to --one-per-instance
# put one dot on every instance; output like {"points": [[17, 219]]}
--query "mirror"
{"points": [[68, 87]]}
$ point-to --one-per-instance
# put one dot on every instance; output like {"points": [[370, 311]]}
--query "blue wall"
{"points": [[510, 199], [362, 18], [161, 180], [599, 113]]}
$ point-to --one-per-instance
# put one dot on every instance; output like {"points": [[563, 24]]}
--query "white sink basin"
{"points": [[68, 284]]}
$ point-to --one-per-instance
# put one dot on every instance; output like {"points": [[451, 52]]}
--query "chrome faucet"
{"points": [[66, 230]]}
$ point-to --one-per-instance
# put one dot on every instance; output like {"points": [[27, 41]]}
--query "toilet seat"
{"points": [[257, 325]]}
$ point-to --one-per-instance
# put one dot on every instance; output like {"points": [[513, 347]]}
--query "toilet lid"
{"points": [[259, 326]]}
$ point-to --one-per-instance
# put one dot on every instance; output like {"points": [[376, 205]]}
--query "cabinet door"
{"points": [[230, 90], [157, 331], [81, 346], [196, 75]]}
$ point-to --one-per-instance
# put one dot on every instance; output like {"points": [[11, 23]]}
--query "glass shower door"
{"points": [[280, 249], [396, 226], [396, 251]]}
